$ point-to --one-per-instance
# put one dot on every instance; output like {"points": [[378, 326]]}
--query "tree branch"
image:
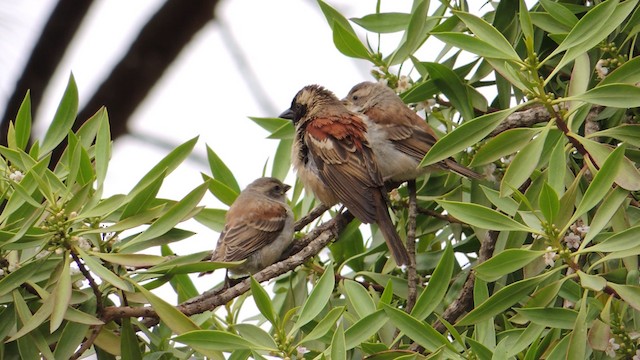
{"points": [[316, 239]]}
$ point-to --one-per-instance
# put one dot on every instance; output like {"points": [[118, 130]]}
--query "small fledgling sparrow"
{"points": [[333, 158], [400, 138], [258, 227]]}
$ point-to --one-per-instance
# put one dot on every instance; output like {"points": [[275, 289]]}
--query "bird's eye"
{"points": [[277, 188], [354, 97]]}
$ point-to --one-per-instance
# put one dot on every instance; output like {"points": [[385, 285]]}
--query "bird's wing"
{"points": [[260, 224], [409, 135], [345, 161]]}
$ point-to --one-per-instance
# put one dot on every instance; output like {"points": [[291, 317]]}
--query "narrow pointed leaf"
{"points": [[437, 287], [464, 136], [338, 349], [62, 294], [482, 217], [318, 298], [220, 171], [172, 217], [263, 302], [505, 263], [63, 119]]}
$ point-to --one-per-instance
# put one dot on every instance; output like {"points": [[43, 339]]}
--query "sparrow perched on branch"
{"points": [[399, 137], [258, 227], [333, 158]]}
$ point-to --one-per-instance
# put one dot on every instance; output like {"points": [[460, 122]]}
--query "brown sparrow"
{"points": [[258, 227], [399, 137], [333, 158]]}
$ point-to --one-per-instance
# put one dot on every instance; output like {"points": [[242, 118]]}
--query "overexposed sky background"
{"points": [[284, 45]]}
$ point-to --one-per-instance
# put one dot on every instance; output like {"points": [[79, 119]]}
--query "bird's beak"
{"points": [[287, 114], [286, 187]]}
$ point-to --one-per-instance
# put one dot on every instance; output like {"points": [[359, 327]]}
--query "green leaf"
{"points": [[271, 124], [214, 219], [502, 145], [525, 22], [619, 241], [630, 294], [506, 205], [611, 95], [263, 302], [489, 34], [437, 287], [472, 44], [523, 164], [144, 198], [172, 217], [578, 344], [629, 133], [628, 176], [347, 42], [23, 123], [610, 205], [592, 282], [16, 278], [359, 298], [216, 340], [464, 136], [30, 322], [601, 183], [134, 260], [255, 335], [63, 119], [503, 299], [505, 263], [318, 298], [453, 87], [344, 38], [627, 73], [587, 27], [74, 331], [178, 322], [282, 160], [220, 171], [103, 147], [551, 317], [482, 217], [384, 23], [549, 202], [220, 190], [364, 329], [420, 332], [323, 327], [592, 28], [338, 349], [129, 347], [165, 166], [416, 33], [560, 13], [62, 294], [102, 272]]}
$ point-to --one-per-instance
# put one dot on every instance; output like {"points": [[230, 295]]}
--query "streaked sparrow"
{"points": [[258, 227], [400, 138], [334, 160]]}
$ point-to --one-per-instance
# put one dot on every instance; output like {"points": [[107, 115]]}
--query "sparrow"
{"points": [[400, 138], [258, 227], [332, 156]]}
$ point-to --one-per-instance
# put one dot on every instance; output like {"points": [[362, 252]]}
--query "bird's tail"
{"points": [[397, 248], [462, 170]]}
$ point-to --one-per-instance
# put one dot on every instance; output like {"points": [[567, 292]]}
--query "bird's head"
{"points": [[307, 101]]}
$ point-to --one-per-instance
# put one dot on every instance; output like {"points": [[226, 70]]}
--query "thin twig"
{"points": [[316, 239], [412, 276], [92, 283], [95, 330]]}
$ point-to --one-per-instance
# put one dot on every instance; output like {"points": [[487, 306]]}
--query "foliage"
{"points": [[550, 263]]}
